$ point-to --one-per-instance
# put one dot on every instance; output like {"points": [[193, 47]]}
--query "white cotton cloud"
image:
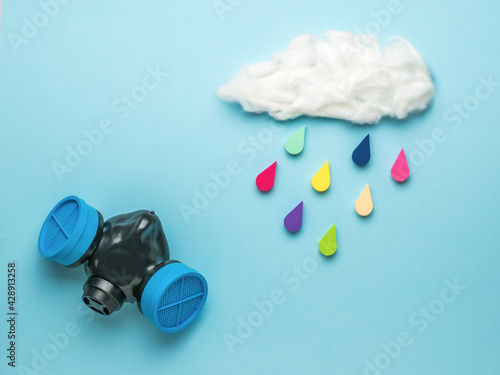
{"points": [[343, 76]]}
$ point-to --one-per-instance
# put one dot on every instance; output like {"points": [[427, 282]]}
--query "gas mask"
{"points": [[126, 259]]}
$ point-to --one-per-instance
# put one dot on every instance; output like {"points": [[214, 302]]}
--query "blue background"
{"points": [[440, 225]]}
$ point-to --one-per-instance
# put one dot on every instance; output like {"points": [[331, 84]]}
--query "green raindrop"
{"points": [[295, 144], [328, 244]]}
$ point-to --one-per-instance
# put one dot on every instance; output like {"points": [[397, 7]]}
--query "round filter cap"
{"points": [[173, 297], [68, 231]]}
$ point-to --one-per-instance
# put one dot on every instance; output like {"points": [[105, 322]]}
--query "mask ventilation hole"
{"points": [[96, 305]]}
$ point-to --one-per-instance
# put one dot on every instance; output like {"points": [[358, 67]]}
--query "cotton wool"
{"points": [[343, 76]]}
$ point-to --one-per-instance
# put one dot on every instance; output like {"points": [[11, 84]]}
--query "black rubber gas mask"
{"points": [[126, 259]]}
